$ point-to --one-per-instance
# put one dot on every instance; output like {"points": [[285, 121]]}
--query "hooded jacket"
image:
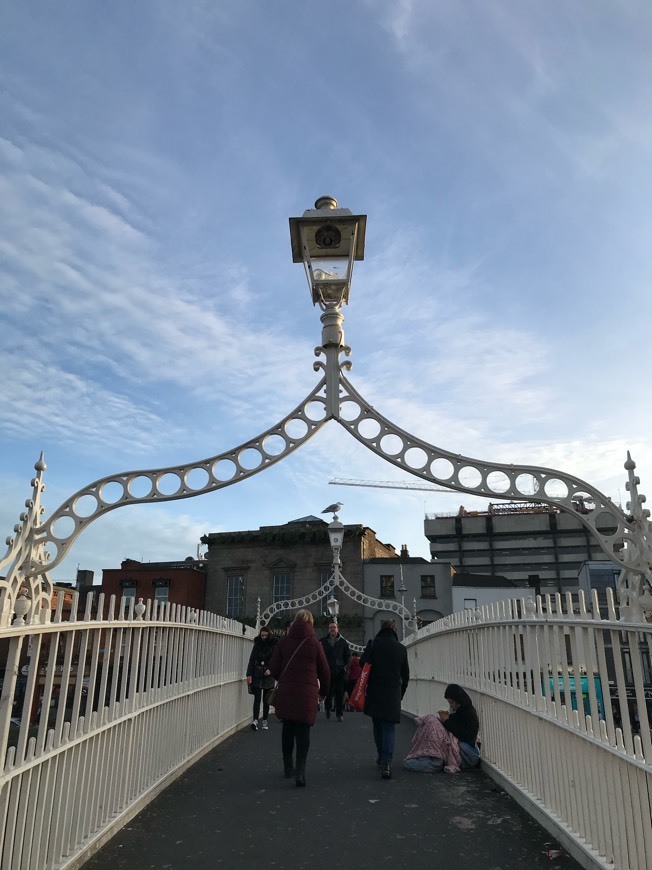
{"points": [[259, 662], [463, 723], [388, 678]]}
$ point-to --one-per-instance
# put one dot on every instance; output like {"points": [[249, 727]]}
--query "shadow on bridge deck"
{"points": [[234, 809]]}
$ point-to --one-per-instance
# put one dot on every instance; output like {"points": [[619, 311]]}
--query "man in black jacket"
{"points": [[338, 655], [388, 680]]}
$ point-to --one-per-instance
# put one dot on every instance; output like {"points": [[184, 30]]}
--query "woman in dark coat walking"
{"points": [[300, 666], [388, 680], [259, 679]]}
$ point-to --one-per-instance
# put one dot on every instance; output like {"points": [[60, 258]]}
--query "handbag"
{"points": [[357, 697], [271, 698]]}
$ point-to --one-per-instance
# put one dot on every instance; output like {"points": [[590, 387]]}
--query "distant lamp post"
{"points": [[402, 590], [327, 240], [336, 537]]}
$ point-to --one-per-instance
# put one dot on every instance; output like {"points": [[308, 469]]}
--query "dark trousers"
{"points": [[336, 693], [384, 739], [299, 733], [258, 694]]}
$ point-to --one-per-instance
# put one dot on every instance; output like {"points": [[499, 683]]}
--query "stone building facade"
{"points": [[280, 563]]}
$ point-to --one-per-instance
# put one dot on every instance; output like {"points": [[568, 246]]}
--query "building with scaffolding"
{"points": [[534, 545]]}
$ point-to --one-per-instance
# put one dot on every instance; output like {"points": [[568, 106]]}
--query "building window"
{"points": [[281, 586], [470, 603], [234, 595], [387, 586], [428, 586], [161, 590], [128, 588]]}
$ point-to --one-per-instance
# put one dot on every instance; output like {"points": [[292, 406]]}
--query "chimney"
{"points": [[404, 553]]}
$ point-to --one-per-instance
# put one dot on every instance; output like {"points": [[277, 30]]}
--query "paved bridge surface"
{"points": [[234, 809]]}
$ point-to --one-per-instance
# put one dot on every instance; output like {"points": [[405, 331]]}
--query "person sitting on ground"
{"points": [[446, 741]]}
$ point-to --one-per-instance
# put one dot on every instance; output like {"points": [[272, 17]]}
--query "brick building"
{"points": [[182, 583]]}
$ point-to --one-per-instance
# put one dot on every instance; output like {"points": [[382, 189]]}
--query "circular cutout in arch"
{"points": [[296, 429], [250, 458], [583, 502], [315, 411], [196, 478], [469, 476], [350, 410], [224, 469], [140, 487], [63, 527], [416, 457], [111, 492], [606, 523], [391, 444], [527, 484], [84, 506], [442, 468], [555, 488], [274, 445], [368, 428], [498, 481], [168, 484]]}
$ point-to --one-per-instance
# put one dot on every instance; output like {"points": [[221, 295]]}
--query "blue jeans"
{"points": [[384, 739], [470, 755], [424, 764]]}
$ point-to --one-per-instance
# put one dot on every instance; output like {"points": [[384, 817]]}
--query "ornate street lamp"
{"points": [[333, 606], [327, 240]]}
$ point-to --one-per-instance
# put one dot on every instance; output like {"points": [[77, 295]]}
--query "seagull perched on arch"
{"points": [[333, 509]]}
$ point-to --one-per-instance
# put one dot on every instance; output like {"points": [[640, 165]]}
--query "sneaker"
{"points": [[386, 771], [340, 718], [254, 726], [265, 728]]}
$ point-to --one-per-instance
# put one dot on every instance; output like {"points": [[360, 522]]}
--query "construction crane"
{"points": [[391, 484]]}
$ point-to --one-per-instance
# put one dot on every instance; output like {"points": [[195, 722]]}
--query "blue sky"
{"points": [[150, 156]]}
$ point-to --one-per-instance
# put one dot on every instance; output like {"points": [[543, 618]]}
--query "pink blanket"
{"points": [[433, 740]]}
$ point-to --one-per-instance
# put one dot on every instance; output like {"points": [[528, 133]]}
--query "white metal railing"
{"points": [[563, 694], [98, 714]]}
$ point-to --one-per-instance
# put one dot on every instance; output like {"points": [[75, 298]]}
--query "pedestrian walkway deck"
{"points": [[234, 809]]}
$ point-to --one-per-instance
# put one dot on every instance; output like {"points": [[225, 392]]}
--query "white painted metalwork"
{"points": [[98, 713], [561, 692], [337, 580], [625, 538]]}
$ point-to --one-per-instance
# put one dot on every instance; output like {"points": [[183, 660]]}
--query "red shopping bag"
{"points": [[356, 700]]}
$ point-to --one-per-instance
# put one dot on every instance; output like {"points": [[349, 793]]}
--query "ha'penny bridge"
{"points": [[140, 706]]}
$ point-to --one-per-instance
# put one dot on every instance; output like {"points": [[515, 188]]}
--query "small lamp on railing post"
{"points": [[327, 240], [333, 606]]}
